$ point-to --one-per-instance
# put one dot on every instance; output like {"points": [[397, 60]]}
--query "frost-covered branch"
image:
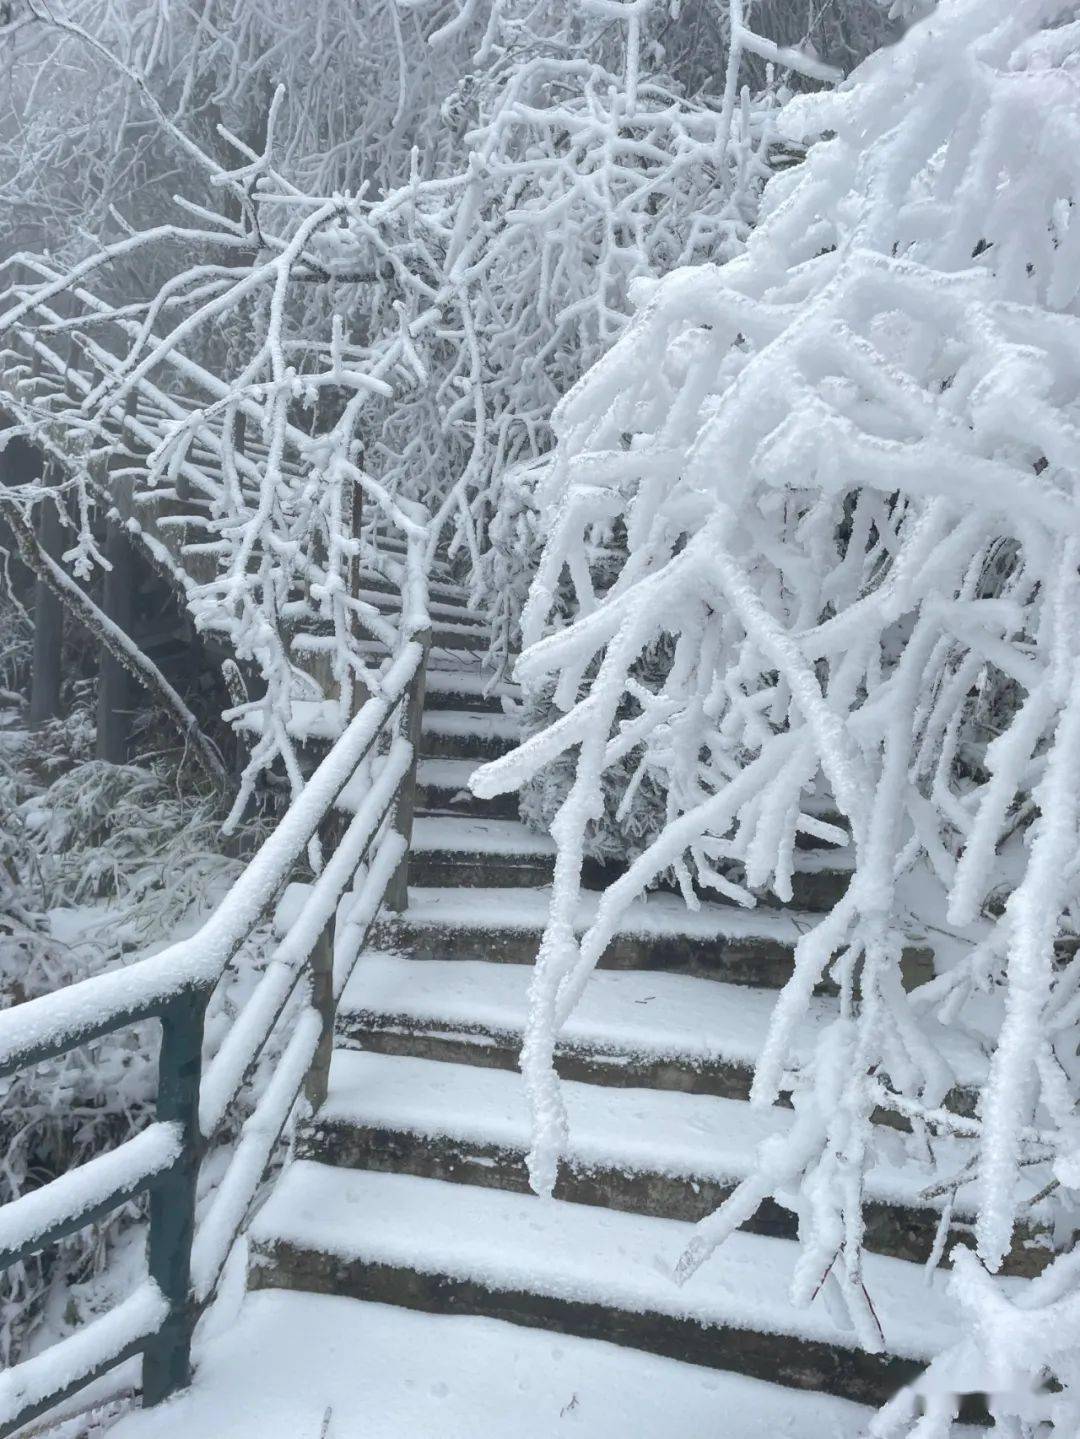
{"points": [[812, 530]]}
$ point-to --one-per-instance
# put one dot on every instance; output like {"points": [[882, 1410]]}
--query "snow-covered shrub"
{"points": [[847, 466]]}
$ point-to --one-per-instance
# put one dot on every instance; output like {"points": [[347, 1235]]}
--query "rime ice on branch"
{"points": [[846, 468], [405, 339]]}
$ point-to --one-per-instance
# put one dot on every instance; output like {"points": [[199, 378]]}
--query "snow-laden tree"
{"points": [[842, 472], [402, 341], [82, 154]]}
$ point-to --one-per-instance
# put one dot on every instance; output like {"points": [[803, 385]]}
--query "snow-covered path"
{"points": [[292, 1359]]}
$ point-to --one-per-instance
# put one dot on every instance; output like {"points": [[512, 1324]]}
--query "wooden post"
{"points": [[397, 892], [167, 1356], [114, 685], [48, 620]]}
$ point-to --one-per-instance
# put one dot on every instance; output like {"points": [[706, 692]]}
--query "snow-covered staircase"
{"points": [[409, 1186]]}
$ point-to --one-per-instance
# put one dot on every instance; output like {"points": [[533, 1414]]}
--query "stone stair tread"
{"points": [[643, 1131], [288, 1358], [390, 599], [469, 684], [660, 914], [584, 1254], [472, 722], [444, 773], [622, 1013], [321, 720], [438, 660], [465, 835]]}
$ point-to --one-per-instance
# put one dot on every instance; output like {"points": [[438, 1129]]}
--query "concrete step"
{"points": [[664, 1153], [453, 850], [467, 734], [296, 1366], [443, 788], [382, 592], [464, 851], [576, 1269], [717, 941], [631, 1028], [467, 689]]}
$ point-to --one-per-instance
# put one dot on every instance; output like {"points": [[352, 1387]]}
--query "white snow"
{"points": [[576, 1252], [622, 1012], [484, 723], [469, 682], [308, 720], [658, 915], [292, 1360], [648, 1131], [79, 1190], [94, 1344], [432, 833], [446, 773]]}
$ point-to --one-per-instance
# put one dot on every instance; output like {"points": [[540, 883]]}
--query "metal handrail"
{"points": [[175, 987]]}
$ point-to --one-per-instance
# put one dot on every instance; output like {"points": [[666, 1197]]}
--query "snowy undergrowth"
{"points": [[99, 864], [846, 464]]}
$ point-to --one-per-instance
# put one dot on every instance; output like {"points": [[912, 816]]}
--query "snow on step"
{"points": [[454, 660], [451, 774], [482, 723], [384, 1373], [574, 1252], [457, 613], [656, 1016], [659, 914], [438, 833], [470, 684], [644, 1131]]}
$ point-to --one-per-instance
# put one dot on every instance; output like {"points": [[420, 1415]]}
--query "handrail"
{"points": [[185, 1261], [174, 987]]}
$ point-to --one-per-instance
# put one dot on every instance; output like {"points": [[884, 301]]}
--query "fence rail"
{"points": [[368, 864], [186, 1260]]}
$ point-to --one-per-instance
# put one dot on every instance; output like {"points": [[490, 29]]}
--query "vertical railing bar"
{"points": [[397, 891], [321, 967], [167, 1356]]}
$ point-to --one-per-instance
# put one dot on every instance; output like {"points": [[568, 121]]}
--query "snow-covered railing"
{"points": [[316, 955], [250, 496]]}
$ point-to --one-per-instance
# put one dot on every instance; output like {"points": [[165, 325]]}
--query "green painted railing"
{"points": [[185, 1258]]}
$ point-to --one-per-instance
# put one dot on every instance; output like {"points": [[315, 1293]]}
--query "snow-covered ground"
{"points": [[307, 1366]]}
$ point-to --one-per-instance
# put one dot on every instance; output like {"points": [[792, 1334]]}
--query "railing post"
{"points": [[167, 1357], [397, 892], [322, 999]]}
